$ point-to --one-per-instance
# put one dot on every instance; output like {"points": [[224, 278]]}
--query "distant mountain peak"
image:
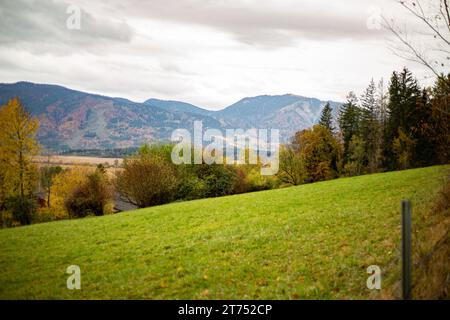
{"points": [[178, 106]]}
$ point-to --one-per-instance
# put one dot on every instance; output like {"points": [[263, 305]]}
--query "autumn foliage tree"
{"points": [[292, 169], [47, 174], [18, 144], [320, 153]]}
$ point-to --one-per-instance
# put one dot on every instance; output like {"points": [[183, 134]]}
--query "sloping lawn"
{"points": [[310, 241]]}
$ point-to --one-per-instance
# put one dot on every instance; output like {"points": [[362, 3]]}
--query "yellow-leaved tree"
{"points": [[18, 145]]}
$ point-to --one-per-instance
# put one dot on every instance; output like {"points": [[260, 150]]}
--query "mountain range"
{"points": [[71, 119]]}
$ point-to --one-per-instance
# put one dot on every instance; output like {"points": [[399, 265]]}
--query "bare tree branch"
{"points": [[448, 13], [433, 18], [405, 41], [445, 16], [422, 16]]}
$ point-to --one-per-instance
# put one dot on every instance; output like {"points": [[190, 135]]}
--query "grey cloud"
{"points": [[40, 26], [109, 57], [257, 23]]}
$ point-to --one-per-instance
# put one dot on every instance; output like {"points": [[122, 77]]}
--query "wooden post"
{"points": [[406, 249]]}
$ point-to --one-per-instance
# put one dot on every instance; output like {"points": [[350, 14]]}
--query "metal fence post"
{"points": [[406, 249]]}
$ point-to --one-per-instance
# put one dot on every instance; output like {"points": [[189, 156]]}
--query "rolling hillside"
{"points": [[71, 119], [310, 241], [288, 113]]}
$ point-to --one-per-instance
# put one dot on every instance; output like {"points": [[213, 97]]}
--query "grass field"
{"points": [[310, 241]]}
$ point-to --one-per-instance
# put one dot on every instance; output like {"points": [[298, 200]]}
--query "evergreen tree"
{"points": [[357, 156], [326, 118], [422, 132], [440, 109], [349, 122], [370, 128], [382, 100], [404, 93]]}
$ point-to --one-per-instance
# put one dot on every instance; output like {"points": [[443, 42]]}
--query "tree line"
{"points": [[403, 127]]}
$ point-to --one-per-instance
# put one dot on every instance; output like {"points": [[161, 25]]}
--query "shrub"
{"points": [[64, 184], [257, 182], [47, 214], [202, 181], [219, 179], [90, 198], [23, 209], [241, 183], [6, 220], [146, 180], [190, 188], [163, 151], [292, 169]]}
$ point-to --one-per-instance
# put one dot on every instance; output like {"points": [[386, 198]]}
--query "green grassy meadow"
{"points": [[313, 241]]}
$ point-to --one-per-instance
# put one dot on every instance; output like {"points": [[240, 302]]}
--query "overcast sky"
{"points": [[209, 53]]}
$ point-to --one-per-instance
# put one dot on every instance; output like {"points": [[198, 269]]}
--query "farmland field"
{"points": [[112, 165], [76, 160], [305, 242]]}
